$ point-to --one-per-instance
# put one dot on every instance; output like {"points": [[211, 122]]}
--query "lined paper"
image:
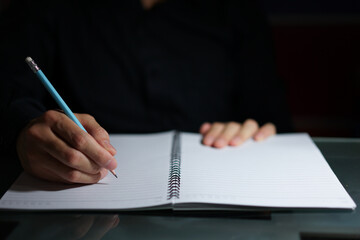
{"points": [[143, 171], [284, 171]]}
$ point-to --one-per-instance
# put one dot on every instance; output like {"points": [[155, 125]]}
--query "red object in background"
{"points": [[321, 68]]}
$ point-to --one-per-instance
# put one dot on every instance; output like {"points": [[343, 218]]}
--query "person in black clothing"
{"points": [[136, 66]]}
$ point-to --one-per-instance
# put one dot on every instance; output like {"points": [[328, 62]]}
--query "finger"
{"points": [[69, 156], [43, 139], [265, 131], [80, 140], [42, 172], [104, 172], [227, 135], [213, 133], [248, 129], [54, 170], [48, 168], [205, 127], [95, 130]]}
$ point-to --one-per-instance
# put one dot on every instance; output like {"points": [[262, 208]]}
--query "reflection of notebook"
{"points": [[172, 170]]}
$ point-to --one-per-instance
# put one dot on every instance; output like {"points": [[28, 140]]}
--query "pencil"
{"points": [[34, 67]]}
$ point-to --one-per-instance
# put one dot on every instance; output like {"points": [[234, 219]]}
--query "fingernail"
{"points": [[108, 145], [104, 173], [209, 140], [204, 127], [259, 137], [111, 164], [236, 141], [220, 142]]}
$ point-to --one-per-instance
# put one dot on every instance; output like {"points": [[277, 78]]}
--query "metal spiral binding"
{"points": [[175, 167]]}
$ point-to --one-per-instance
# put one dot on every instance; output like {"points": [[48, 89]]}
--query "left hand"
{"points": [[219, 134]]}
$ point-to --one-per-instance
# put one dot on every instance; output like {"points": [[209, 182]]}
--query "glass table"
{"points": [[343, 155]]}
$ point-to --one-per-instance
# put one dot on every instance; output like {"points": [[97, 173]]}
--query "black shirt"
{"points": [[175, 66]]}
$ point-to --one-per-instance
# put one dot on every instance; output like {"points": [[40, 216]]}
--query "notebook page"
{"points": [[284, 171], [143, 171]]}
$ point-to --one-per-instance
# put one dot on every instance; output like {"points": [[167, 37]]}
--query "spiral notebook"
{"points": [[173, 170]]}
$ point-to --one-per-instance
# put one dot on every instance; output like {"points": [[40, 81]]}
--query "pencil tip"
{"points": [[114, 173]]}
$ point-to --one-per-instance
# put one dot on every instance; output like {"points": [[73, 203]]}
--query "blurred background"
{"points": [[317, 45]]}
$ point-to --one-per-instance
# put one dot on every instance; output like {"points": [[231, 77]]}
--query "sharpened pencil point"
{"points": [[113, 173]]}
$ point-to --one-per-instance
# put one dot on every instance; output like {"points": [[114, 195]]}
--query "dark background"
{"points": [[317, 45]]}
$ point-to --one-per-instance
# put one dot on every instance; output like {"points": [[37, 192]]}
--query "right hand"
{"points": [[53, 147]]}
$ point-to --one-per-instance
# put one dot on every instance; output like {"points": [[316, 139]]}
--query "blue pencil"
{"points": [[53, 91], [55, 95]]}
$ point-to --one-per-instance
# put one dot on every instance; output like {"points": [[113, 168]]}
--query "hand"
{"points": [[219, 135], [54, 148]]}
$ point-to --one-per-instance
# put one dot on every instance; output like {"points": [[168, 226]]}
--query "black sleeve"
{"points": [[27, 30], [261, 93]]}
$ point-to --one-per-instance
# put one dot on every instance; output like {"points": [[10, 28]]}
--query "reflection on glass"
{"points": [[64, 226]]}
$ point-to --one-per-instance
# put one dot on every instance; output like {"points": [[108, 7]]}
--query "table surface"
{"points": [[343, 156]]}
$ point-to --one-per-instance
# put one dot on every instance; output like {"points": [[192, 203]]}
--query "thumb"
{"points": [[96, 131]]}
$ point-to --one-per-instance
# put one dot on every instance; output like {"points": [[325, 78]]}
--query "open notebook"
{"points": [[174, 170]]}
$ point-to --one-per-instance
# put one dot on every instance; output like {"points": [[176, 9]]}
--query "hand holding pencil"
{"points": [[57, 148]]}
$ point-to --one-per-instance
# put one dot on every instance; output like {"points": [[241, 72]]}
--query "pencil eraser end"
{"points": [[28, 59], [32, 64]]}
